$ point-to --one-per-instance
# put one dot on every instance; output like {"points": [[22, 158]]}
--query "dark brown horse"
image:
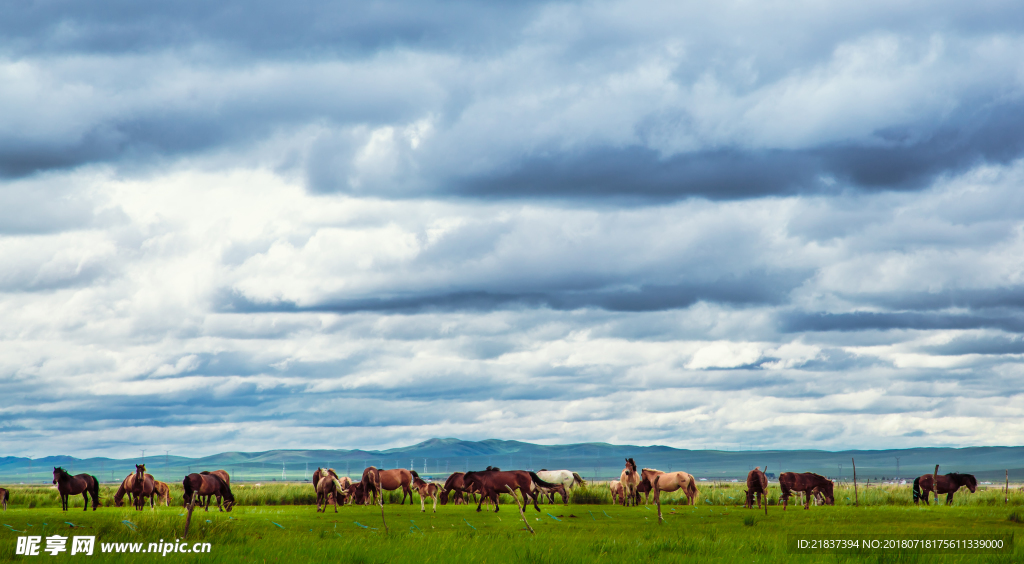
{"points": [[948, 484], [197, 485], [490, 483], [455, 483], [757, 484], [143, 486], [809, 483], [223, 475], [4, 496], [84, 484]]}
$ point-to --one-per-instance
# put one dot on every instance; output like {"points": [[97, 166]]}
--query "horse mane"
{"points": [[224, 487], [493, 469], [205, 472], [414, 474]]}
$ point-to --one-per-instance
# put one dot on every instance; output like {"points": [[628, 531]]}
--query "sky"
{"points": [[316, 224]]}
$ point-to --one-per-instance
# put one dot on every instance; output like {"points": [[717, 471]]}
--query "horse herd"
{"points": [[481, 486]]}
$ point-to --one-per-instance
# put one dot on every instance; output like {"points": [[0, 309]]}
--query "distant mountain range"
{"points": [[438, 457]]}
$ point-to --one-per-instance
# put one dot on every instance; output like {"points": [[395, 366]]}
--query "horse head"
{"points": [[140, 471], [967, 480], [58, 473], [827, 492]]}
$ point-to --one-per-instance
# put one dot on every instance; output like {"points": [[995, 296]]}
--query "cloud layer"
{"points": [[365, 225]]}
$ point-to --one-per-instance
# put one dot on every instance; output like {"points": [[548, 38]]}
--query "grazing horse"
{"points": [[456, 483], [162, 491], [4, 497], [492, 482], [670, 482], [344, 482], [567, 478], [618, 494], [630, 479], [369, 486], [124, 489], [809, 483], [948, 485], [208, 484], [757, 484], [223, 475], [81, 484], [142, 486], [426, 489], [539, 491], [328, 488]]}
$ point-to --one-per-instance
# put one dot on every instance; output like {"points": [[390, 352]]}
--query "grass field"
{"points": [[267, 528]]}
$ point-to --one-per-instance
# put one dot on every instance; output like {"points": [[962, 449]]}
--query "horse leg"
{"points": [[495, 500], [949, 498], [478, 505], [435, 502], [423, 505]]}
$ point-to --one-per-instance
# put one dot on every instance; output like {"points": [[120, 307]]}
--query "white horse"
{"points": [[567, 478]]}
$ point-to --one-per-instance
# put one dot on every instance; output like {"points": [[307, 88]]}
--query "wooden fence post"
{"points": [[935, 483], [856, 499], [520, 507], [1006, 496]]}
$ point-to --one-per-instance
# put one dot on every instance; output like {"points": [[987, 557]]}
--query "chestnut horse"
{"points": [[142, 486], [757, 484], [197, 485], [124, 489], [426, 489], [4, 496], [550, 492], [391, 480], [809, 483], [670, 482], [81, 484], [344, 483], [491, 483], [948, 484], [630, 479]]}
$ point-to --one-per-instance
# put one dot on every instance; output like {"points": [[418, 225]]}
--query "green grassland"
{"points": [[272, 524]]}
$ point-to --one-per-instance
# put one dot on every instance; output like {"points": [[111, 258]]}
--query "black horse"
{"points": [[68, 485], [948, 484]]}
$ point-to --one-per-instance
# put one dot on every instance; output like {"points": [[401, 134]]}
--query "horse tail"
{"points": [[536, 480], [187, 496], [577, 479], [917, 489], [691, 488], [94, 488]]}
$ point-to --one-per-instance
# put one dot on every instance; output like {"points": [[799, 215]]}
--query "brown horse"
{"points": [[142, 487], [391, 480], [81, 484], [630, 479], [757, 484], [809, 483], [4, 497], [491, 483], [124, 489], [426, 489], [162, 491], [344, 484], [328, 489], [948, 484], [369, 487], [223, 475], [456, 483], [670, 482], [207, 484], [618, 494], [540, 491]]}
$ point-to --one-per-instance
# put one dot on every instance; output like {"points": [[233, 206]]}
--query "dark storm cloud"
{"points": [[897, 159]]}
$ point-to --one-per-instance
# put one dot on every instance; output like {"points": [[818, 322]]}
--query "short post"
{"points": [[521, 512], [188, 519], [935, 483], [657, 498], [380, 491], [1006, 496], [856, 500], [765, 489]]}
